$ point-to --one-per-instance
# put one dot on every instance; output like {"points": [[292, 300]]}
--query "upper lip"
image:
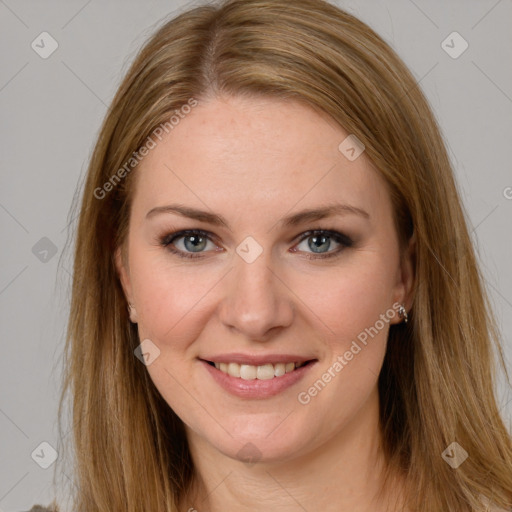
{"points": [[256, 360]]}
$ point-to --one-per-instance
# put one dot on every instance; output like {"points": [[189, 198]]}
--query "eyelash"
{"points": [[340, 238]]}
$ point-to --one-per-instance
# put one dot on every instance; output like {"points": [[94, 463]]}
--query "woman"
{"points": [[276, 304]]}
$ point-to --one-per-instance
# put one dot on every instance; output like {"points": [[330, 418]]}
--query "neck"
{"points": [[343, 474]]}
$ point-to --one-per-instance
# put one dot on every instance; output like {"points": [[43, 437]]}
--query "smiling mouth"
{"points": [[263, 372]]}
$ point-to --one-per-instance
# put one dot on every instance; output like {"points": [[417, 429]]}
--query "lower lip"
{"points": [[257, 388]]}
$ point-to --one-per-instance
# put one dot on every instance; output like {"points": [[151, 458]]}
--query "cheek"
{"points": [[355, 308], [352, 298], [170, 297], [355, 311]]}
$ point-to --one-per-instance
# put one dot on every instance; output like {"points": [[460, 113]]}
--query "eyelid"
{"points": [[345, 239], [167, 239]]}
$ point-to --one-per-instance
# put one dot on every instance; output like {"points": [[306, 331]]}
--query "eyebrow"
{"points": [[301, 217]]}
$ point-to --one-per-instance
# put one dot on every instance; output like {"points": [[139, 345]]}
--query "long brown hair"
{"points": [[437, 382]]}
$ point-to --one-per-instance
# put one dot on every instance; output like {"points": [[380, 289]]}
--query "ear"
{"points": [[403, 293], [124, 276]]}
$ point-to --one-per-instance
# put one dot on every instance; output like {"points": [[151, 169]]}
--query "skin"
{"points": [[255, 161]]}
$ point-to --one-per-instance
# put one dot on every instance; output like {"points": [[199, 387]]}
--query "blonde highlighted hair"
{"points": [[437, 382]]}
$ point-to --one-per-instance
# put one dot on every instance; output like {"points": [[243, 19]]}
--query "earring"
{"points": [[132, 312], [402, 313]]}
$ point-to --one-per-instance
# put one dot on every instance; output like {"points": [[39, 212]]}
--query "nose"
{"points": [[257, 303]]}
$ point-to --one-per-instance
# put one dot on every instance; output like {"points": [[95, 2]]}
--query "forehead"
{"points": [[256, 155]]}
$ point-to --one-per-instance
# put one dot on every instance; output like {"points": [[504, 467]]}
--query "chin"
{"points": [[258, 451], [258, 441]]}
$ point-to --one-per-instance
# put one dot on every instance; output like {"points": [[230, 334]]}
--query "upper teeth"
{"points": [[250, 372]]}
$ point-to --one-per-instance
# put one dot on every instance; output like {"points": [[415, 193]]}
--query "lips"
{"points": [[257, 376]]}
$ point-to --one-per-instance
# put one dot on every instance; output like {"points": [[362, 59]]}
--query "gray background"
{"points": [[51, 110]]}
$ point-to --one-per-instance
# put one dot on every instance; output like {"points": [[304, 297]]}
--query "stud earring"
{"points": [[132, 312], [402, 313]]}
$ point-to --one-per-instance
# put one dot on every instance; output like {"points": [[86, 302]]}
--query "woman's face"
{"points": [[257, 289]]}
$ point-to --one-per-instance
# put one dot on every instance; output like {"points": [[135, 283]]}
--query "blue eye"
{"points": [[319, 240], [195, 241]]}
